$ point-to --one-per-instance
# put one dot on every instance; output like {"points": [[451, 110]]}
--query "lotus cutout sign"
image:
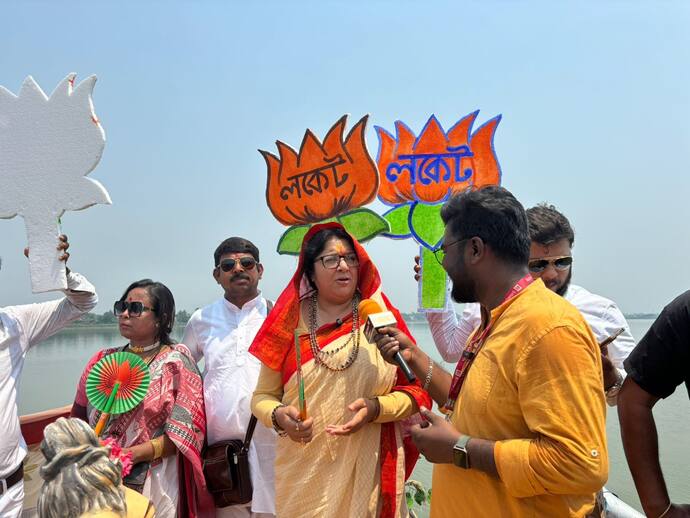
{"points": [[323, 181], [47, 146], [419, 173]]}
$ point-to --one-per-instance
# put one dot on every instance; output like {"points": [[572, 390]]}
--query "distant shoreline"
{"points": [[414, 318], [410, 318]]}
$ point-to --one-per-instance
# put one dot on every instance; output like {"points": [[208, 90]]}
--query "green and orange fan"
{"points": [[116, 384]]}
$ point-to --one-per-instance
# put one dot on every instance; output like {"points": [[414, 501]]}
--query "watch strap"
{"points": [[460, 455]]}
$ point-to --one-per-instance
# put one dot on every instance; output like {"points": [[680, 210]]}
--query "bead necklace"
{"points": [[321, 357]]}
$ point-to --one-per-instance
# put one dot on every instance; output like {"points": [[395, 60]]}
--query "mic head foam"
{"points": [[368, 307]]}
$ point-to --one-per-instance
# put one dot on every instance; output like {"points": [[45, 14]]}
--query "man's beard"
{"points": [[464, 292], [464, 289], [561, 291]]}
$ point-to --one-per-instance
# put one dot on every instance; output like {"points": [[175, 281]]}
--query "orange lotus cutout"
{"points": [[323, 180], [432, 166]]}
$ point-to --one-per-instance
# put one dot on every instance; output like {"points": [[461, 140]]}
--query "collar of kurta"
{"points": [[256, 301], [276, 336], [496, 313]]}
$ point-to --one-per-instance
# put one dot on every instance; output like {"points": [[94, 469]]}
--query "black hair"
{"points": [[315, 246], [493, 214], [163, 304], [547, 225], [235, 245]]}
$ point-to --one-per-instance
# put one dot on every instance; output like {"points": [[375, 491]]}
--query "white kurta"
{"points": [[21, 327], [602, 315], [221, 334]]}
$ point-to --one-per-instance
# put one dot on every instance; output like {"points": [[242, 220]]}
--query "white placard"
{"points": [[47, 147]]}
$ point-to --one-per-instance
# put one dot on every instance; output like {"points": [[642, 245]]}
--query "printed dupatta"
{"points": [[180, 415]]}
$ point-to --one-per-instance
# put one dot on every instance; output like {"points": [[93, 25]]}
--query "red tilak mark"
{"points": [[71, 82]]}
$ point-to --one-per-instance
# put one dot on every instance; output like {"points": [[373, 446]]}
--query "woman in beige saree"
{"points": [[348, 458]]}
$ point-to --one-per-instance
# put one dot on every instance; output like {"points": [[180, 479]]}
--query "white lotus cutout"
{"points": [[47, 147]]}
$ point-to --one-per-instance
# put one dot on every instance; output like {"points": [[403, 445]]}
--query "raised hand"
{"points": [[63, 245], [390, 340]]}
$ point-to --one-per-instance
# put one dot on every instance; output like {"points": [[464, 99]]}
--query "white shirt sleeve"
{"points": [[39, 321], [450, 336], [190, 340], [622, 346]]}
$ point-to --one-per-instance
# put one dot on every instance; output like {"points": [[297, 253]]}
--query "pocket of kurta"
{"points": [[480, 380]]}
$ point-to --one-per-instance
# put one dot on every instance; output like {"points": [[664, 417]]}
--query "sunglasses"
{"points": [[332, 261], [134, 309], [246, 263], [559, 263]]}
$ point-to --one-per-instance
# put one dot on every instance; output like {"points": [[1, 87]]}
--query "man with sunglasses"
{"points": [[221, 334], [551, 259], [21, 327]]}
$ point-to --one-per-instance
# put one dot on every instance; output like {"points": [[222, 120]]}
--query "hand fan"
{"points": [[116, 384]]}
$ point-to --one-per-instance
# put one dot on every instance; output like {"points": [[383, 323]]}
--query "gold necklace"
{"points": [[144, 349], [321, 357]]}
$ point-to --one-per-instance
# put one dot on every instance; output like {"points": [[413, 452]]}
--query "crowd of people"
{"points": [[521, 422]]}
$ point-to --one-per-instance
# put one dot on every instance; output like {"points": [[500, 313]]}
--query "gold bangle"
{"points": [[429, 373], [157, 444]]}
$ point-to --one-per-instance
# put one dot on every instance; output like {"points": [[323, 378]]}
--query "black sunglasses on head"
{"points": [[246, 263], [134, 309]]}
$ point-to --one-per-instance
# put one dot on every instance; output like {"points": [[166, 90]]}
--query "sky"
{"points": [[595, 99]]}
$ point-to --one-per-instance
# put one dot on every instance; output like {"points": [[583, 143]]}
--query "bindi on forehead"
{"points": [[340, 248]]}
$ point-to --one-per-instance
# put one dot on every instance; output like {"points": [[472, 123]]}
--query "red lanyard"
{"points": [[475, 344]]}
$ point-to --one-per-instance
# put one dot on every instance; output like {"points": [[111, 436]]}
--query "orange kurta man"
{"points": [[536, 389]]}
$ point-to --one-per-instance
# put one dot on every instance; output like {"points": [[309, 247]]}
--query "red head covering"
{"points": [[275, 338]]}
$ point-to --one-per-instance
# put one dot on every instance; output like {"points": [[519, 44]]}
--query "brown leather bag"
{"points": [[226, 470]]}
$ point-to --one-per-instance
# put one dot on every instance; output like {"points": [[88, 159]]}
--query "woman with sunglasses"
{"points": [[346, 456], [165, 432]]}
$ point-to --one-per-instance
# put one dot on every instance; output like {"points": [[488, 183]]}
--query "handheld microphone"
{"points": [[377, 318]]}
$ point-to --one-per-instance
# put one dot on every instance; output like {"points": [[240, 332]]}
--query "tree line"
{"points": [[108, 318]]}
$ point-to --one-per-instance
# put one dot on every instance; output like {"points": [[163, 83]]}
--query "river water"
{"points": [[52, 369]]}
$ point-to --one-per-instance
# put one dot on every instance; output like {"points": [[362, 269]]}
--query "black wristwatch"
{"points": [[461, 457]]}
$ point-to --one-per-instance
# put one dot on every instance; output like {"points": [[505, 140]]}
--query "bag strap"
{"points": [[252, 421], [250, 432]]}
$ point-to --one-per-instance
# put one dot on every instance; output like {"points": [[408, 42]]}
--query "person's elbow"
{"points": [[584, 473], [253, 404], [569, 467], [591, 476], [87, 303]]}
